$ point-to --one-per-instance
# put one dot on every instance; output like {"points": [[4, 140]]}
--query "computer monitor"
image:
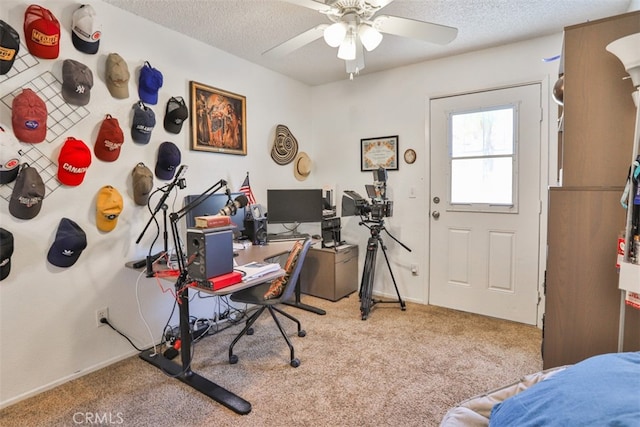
{"points": [[211, 206], [294, 206]]}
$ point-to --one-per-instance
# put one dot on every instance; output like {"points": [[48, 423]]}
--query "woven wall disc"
{"points": [[285, 146]]}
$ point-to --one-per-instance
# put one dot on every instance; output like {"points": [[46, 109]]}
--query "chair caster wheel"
{"points": [[233, 359], [295, 362], [250, 331], [302, 333]]}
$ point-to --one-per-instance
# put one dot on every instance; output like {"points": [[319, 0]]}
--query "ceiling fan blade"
{"points": [[405, 27], [295, 42], [311, 4]]}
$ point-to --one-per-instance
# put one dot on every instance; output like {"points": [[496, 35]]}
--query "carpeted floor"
{"points": [[397, 367]]}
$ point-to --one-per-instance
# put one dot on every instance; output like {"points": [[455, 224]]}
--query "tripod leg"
{"points": [[393, 279], [366, 286]]}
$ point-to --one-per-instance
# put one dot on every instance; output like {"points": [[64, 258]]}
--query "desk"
{"points": [[183, 371]]}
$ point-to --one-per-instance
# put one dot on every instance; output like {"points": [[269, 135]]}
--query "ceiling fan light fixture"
{"points": [[347, 49], [335, 33], [369, 36]]}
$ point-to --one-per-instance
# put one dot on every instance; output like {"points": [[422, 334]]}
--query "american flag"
{"points": [[246, 189]]}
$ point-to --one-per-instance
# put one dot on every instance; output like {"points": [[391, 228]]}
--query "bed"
{"points": [[602, 390]]}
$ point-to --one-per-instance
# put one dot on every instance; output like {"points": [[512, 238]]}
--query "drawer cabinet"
{"points": [[330, 274]]}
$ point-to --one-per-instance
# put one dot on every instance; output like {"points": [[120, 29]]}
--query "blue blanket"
{"points": [[600, 391]]}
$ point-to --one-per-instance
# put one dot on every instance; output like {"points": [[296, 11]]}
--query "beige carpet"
{"points": [[397, 368]]}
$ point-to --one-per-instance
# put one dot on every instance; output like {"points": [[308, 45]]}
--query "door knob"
{"points": [[435, 214]]}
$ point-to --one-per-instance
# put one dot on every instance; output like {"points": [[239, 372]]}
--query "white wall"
{"points": [[396, 103], [47, 314]]}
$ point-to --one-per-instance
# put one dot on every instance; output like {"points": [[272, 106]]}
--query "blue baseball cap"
{"points": [[168, 160], [69, 243], [149, 84]]}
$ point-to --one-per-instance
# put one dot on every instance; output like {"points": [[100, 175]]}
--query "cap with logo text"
{"points": [[9, 156], [176, 114], [110, 140], [41, 32], [68, 245], [28, 193], [85, 30], [29, 117], [73, 161], [77, 81], [109, 205], [117, 76], [144, 120], [9, 46]]}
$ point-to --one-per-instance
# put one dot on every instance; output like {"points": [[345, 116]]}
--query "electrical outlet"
{"points": [[102, 313]]}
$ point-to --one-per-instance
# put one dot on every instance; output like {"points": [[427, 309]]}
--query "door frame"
{"points": [[548, 168]]}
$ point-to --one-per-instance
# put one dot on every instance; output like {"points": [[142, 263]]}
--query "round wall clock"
{"points": [[410, 156]]}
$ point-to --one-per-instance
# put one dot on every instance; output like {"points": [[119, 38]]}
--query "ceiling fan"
{"points": [[355, 27]]}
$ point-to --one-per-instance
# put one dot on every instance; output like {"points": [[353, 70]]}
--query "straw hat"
{"points": [[285, 146], [302, 166]]}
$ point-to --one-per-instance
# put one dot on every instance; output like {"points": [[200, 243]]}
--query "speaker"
{"points": [[209, 253], [256, 230]]}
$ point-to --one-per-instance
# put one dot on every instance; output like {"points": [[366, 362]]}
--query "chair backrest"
{"points": [[295, 274]]}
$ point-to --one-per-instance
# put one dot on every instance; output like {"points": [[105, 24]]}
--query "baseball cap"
{"points": [[149, 84], [9, 46], [176, 114], [77, 81], [168, 160], [68, 244], [42, 32], [85, 30], [117, 76], [29, 117], [109, 205], [9, 156], [28, 193], [142, 179], [110, 140], [6, 250], [144, 120], [73, 161]]}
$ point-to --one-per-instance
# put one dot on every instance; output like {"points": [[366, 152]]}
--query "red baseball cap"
{"points": [[73, 162], [29, 117], [110, 139], [42, 32]]}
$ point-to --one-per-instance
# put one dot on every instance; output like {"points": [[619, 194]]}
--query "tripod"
{"points": [[369, 270]]}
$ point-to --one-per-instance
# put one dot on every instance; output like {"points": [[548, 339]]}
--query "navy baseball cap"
{"points": [[69, 243], [149, 84], [6, 250], [144, 120], [168, 160]]}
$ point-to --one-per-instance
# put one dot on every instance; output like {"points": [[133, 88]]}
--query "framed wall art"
{"points": [[379, 152], [218, 120]]}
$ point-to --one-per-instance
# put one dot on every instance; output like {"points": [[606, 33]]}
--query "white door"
{"points": [[485, 202]]}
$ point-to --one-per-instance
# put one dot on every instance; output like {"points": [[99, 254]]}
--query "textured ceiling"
{"points": [[247, 28]]}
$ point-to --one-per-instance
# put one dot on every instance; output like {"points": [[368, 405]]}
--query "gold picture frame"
{"points": [[379, 152], [218, 120]]}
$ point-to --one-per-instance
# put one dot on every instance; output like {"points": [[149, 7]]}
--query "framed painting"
{"points": [[379, 152], [218, 120]]}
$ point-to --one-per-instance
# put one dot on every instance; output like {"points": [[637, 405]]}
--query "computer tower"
{"points": [[256, 230], [209, 253]]}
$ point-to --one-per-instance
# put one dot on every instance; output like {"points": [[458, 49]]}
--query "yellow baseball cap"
{"points": [[109, 205]]}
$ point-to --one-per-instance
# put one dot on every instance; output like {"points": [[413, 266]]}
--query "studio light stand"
{"points": [[183, 370], [369, 270]]}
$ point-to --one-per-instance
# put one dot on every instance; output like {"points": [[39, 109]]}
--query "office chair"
{"points": [[256, 295]]}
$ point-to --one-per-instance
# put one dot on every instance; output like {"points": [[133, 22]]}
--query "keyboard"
{"points": [[285, 237]]}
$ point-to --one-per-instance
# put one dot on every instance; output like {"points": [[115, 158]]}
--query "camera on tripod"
{"points": [[379, 207]]}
